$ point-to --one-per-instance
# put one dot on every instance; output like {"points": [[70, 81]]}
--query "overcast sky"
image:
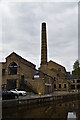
{"points": [[21, 31]]}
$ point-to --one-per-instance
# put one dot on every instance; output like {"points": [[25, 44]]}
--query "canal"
{"points": [[66, 110]]}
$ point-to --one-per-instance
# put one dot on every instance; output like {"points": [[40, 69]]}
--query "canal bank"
{"points": [[50, 110], [39, 99]]}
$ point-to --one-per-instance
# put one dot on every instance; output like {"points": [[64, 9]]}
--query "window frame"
{"points": [[12, 68], [59, 86], [64, 86]]}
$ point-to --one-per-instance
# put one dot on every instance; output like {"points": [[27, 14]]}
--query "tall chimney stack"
{"points": [[43, 45]]}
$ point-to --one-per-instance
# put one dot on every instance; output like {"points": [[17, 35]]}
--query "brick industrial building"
{"points": [[20, 73], [51, 68]]}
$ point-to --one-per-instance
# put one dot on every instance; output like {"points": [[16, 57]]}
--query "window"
{"points": [[78, 86], [59, 85], [54, 86], [78, 81], [12, 69], [73, 81], [72, 87], [22, 79], [54, 78], [3, 72], [65, 85]]}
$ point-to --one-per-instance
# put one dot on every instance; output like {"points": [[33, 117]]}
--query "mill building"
{"points": [[17, 72]]}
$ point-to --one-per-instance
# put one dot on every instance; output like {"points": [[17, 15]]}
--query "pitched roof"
{"points": [[57, 64], [19, 57]]}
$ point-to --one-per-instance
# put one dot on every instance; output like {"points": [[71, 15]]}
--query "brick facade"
{"points": [[58, 73], [25, 70], [51, 68]]}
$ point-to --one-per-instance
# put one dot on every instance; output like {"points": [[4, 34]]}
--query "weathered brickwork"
{"points": [[59, 78], [42, 85], [51, 68], [23, 68], [74, 82], [56, 69], [18, 72]]}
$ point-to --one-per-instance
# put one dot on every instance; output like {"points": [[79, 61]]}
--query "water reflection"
{"points": [[66, 110]]}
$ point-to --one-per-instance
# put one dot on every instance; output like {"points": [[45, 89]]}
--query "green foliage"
{"points": [[76, 71], [76, 68], [76, 65]]}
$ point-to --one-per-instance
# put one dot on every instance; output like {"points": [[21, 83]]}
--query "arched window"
{"points": [[12, 69]]}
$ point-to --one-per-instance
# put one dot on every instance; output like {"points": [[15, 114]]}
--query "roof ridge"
{"points": [[20, 57], [56, 63]]}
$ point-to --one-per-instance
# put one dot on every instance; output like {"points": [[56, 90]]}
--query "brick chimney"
{"points": [[43, 45]]}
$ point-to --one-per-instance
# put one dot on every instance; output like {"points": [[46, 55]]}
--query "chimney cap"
{"points": [[43, 23]]}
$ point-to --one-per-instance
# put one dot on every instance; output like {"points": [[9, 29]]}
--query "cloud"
{"points": [[41, 1], [21, 30]]}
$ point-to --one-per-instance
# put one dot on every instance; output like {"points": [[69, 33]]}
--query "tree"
{"points": [[76, 65], [76, 68]]}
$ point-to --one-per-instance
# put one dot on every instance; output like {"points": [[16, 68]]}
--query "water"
{"points": [[69, 110]]}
